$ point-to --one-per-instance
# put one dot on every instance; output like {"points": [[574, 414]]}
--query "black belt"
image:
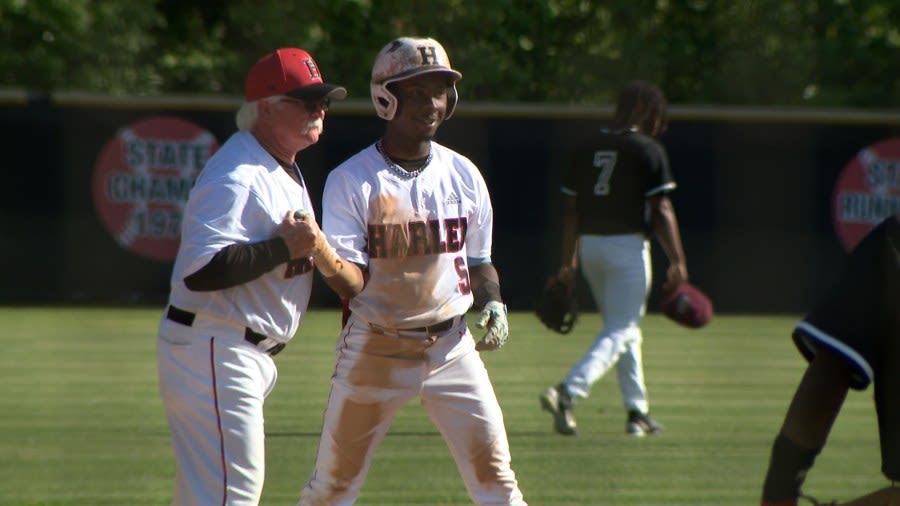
{"points": [[187, 318], [437, 328]]}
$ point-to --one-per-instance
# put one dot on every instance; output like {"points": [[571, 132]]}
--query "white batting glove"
{"points": [[494, 317]]}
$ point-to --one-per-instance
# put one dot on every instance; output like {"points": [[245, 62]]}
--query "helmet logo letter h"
{"points": [[429, 55], [313, 69]]}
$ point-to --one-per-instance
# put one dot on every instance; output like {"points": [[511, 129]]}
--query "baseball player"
{"points": [[615, 192], [851, 338], [412, 221], [241, 283]]}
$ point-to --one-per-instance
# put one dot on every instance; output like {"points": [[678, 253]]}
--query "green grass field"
{"points": [[81, 422]]}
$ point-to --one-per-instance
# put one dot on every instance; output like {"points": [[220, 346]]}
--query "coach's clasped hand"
{"points": [[327, 259], [493, 316]]}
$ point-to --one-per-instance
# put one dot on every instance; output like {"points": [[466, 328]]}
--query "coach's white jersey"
{"points": [[413, 233], [241, 197]]}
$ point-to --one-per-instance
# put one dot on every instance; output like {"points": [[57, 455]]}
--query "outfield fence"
{"points": [[756, 191]]}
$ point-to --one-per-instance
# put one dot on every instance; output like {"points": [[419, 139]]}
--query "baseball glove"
{"points": [[556, 306]]}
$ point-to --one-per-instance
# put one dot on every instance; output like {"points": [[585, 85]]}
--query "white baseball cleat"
{"points": [[557, 402]]}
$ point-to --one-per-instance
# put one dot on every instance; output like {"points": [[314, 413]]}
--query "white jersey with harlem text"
{"points": [[240, 197], [413, 233]]}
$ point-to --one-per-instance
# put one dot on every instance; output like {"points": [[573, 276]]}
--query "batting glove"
{"points": [[494, 317]]}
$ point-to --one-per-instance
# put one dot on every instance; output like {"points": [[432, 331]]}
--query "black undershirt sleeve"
{"points": [[237, 264]]}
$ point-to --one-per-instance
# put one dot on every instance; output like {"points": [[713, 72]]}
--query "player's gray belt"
{"points": [[431, 330], [187, 318]]}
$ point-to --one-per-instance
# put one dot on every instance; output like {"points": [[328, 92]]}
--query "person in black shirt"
{"points": [[851, 338], [615, 192]]}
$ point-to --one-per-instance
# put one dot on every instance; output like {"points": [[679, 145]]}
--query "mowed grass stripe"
{"points": [[81, 422]]}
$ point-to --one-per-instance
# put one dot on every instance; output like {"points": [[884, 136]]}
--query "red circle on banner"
{"points": [[141, 182], [867, 191]]}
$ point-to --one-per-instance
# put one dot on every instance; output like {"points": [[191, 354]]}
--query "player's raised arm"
{"points": [[342, 276]]}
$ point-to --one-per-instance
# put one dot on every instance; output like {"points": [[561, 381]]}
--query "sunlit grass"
{"points": [[81, 422]]}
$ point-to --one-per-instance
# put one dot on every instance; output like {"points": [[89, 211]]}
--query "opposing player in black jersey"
{"points": [[615, 191], [851, 339]]}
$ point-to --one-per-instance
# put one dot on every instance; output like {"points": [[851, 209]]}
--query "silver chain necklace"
{"points": [[400, 171]]}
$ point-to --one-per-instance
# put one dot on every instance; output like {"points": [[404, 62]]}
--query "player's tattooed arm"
{"points": [[348, 279], [345, 278], [485, 284]]}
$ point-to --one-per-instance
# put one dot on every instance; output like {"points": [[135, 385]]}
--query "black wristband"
{"points": [[787, 469], [487, 292]]}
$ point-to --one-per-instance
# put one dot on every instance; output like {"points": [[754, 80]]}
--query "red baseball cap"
{"points": [[687, 305], [289, 71]]}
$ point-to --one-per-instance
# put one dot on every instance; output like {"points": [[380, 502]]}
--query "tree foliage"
{"points": [[838, 53]]}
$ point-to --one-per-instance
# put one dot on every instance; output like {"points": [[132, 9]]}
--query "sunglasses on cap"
{"points": [[309, 106]]}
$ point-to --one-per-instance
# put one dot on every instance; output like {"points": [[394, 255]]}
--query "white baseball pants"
{"points": [[618, 271], [213, 384], [378, 373]]}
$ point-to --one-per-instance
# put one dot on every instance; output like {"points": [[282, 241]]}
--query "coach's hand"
{"points": [[493, 316], [300, 233]]}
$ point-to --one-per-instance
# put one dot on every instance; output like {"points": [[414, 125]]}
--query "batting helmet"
{"points": [[404, 58]]}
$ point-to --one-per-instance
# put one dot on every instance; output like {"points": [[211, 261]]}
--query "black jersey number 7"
{"points": [[605, 161]]}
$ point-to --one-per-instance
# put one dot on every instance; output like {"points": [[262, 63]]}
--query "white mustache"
{"points": [[316, 123]]}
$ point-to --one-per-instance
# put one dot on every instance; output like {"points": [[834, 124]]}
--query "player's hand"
{"points": [[566, 274], [675, 275], [493, 316], [300, 233]]}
